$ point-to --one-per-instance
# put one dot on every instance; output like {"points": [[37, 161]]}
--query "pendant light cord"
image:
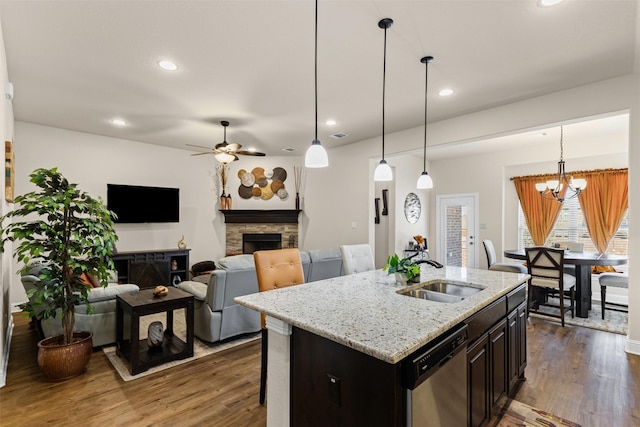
{"points": [[316, 71], [561, 147], [384, 80], [426, 80]]}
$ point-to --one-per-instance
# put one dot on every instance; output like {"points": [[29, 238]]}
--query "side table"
{"points": [[142, 303]]}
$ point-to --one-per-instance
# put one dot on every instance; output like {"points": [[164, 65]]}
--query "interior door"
{"points": [[457, 219]]}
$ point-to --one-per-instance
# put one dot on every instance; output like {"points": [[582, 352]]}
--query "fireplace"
{"points": [[260, 223], [252, 242]]}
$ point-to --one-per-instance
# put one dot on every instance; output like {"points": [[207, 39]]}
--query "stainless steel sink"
{"points": [[450, 288], [441, 291]]}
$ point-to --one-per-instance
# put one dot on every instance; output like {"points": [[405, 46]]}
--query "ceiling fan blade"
{"points": [[200, 154], [250, 153], [199, 146]]}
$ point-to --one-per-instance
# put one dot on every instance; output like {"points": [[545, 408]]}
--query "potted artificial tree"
{"points": [[72, 234]]}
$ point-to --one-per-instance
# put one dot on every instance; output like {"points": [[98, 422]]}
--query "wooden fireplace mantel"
{"points": [[252, 216]]}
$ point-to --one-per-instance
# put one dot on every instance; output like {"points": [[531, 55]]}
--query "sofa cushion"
{"points": [[110, 292], [197, 289]]}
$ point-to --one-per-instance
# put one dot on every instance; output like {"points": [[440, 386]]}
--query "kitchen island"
{"points": [[363, 322]]}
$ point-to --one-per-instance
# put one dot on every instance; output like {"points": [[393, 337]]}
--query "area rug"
{"points": [[200, 348], [517, 414], [615, 321]]}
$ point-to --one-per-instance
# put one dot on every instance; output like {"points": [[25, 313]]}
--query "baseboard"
{"points": [[632, 346], [5, 355]]}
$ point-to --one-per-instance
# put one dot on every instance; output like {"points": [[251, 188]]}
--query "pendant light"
{"points": [[383, 171], [316, 156], [424, 180]]}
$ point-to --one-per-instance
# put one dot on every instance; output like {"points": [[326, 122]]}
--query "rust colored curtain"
{"points": [[604, 202], [540, 213]]}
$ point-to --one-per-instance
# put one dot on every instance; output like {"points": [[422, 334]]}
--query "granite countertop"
{"points": [[364, 311]]}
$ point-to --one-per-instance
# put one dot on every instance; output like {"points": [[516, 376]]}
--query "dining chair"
{"points": [[278, 268], [546, 268], [616, 280], [357, 259], [572, 247], [512, 267]]}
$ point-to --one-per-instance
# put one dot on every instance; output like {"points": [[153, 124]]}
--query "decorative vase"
{"points": [[223, 202], [155, 335], [229, 202], [401, 278], [297, 201], [59, 362]]}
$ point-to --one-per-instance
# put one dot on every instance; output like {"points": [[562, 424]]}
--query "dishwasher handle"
{"points": [[426, 361]]}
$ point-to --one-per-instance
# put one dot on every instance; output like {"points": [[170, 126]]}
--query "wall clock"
{"points": [[412, 208]]}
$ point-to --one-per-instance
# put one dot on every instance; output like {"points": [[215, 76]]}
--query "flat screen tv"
{"points": [[139, 204]]}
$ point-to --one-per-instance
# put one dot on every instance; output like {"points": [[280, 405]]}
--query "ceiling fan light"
{"points": [[383, 172], [316, 156], [424, 181], [225, 157]]}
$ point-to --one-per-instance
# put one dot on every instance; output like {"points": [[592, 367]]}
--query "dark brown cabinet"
{"points": [[478, 381], [149, 269], [497, 354]]}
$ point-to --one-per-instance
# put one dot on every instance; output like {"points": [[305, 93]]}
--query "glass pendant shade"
{"points": [[424, 181], [316, 156], [383, 172]]}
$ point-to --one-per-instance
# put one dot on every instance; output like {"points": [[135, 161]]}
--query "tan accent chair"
{"points": [[275, 269], [546, 267]]}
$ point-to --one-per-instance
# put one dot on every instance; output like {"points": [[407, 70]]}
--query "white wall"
{"points": [[6, 132]]}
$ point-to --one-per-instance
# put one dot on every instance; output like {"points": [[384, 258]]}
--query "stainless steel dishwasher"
{"points": [[435, 382]]}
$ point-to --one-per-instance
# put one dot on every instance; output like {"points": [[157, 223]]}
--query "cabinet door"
{"points": [[498, 361], [513, 362], [478, 382], [522, 339]]}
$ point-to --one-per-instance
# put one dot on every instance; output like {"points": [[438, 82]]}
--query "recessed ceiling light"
{"points": [[167, 65], [445, 92], [330, 122], [119, 122], [548, 3], [289, 149]]}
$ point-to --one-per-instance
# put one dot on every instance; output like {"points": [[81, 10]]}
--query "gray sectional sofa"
{"points": [[218, 317]]}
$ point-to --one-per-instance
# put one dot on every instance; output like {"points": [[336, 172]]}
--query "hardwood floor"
{"points": [[577, 373]]}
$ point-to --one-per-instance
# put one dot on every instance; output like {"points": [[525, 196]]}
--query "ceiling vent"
{"points": [[339, 135]]}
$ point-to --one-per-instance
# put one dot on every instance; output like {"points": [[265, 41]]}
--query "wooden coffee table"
{"points": [[140, 356]]}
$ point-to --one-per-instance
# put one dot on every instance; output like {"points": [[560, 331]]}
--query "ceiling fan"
{"points": [[225, 152]]}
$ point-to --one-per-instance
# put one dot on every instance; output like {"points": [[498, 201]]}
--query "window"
{"points": [[570, 226]]}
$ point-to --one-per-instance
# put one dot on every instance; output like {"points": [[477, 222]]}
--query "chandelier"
{"points": [[552, 188]]}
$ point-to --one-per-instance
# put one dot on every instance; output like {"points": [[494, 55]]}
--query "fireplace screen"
{"points": [[260, 242]]}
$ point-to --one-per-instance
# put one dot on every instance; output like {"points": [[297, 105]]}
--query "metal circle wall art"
{"points": [[262, 184], [412, 208]]}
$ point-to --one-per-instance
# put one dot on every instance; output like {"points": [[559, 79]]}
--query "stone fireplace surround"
{"points": [[239, 222]]}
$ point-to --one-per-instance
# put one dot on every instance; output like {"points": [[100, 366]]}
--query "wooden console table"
{"points": [[148, 269], [142, 303]]}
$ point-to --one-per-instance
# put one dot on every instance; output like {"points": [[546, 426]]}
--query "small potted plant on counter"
{"points": [[405, 269]]}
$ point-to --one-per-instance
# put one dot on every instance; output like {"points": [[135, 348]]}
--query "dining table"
{"points": [[583, 262]]}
